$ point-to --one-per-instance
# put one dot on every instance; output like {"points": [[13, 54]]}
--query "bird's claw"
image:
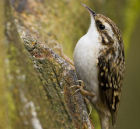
{"points": [[80, 88]]}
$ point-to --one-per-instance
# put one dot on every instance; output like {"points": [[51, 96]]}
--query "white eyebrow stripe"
{"points": [[109, 29]]}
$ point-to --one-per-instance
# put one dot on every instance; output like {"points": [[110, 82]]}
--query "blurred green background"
{"points": [[67, 22]]}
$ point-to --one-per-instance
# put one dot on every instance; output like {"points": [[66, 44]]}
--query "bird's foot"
{"points": [[89, 106], [80, 87]]}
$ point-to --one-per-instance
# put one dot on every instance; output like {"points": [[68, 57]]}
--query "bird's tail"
{"points": [[105, 121], [114, 116]]}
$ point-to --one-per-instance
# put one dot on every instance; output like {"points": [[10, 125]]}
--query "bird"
{"points": [[99, 61]]}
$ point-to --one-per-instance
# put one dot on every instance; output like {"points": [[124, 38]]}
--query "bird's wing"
{"points": [[110, 82]]}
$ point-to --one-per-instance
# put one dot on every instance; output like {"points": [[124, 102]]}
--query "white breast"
{"points": [[85, 59]]}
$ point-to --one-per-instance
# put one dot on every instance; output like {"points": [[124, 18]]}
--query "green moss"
{"points": [[6, 102]]}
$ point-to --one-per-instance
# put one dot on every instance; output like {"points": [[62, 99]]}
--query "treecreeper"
{"points": [[100, 63]]}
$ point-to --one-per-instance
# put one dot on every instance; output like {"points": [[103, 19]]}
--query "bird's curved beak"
{"points": [[89, 9]]}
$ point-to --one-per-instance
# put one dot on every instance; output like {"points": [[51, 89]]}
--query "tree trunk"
{"points": [[38, 78]]}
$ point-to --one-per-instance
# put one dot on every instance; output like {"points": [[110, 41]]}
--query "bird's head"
{"points": [[104, 30]]}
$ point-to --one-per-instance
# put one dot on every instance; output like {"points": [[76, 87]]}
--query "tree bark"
{"points": [[39, 78]]}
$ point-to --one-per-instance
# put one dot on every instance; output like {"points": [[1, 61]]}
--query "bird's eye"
{"points": [[101, 26]]}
